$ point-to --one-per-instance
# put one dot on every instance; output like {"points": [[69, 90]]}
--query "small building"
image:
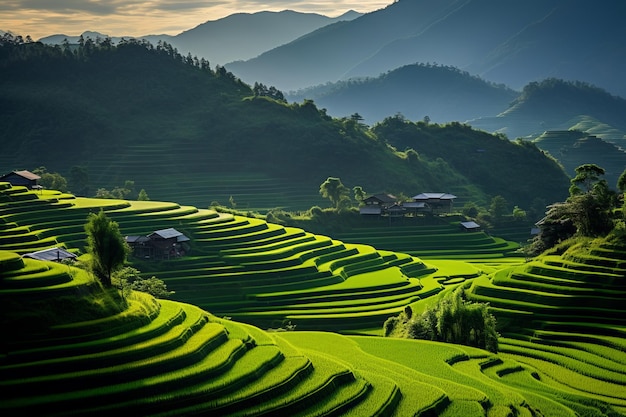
{"points": [[140, 246], [416, 207], [381, 200], [470, 226], [52, 254], [438, 202], [21, 178], [160, 244], [395, 210]]}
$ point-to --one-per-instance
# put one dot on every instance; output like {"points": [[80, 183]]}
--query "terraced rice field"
{"points": [[445, 240], [240, 267], [77, 349]]}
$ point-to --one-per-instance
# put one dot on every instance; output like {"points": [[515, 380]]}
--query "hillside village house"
{"points": [[21, 178], [438, 202], [52, 254], [160, 244], [380, 204], [377, 204]]}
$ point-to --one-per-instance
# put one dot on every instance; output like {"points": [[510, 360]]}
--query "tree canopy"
{"points": [[106, 245], [334, 190]]}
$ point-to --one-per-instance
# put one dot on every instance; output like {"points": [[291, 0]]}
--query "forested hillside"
{"points": [[186, 132], [442, 93]]}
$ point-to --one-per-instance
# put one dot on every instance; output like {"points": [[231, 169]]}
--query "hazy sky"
{"points": [[39, 18]]}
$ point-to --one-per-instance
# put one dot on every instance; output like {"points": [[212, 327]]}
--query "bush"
{"points": [[454, 319]]}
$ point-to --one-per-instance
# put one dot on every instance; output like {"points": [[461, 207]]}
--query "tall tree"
{"points": [[359, 194], [106, 245], [587, 176], [334, 190]]}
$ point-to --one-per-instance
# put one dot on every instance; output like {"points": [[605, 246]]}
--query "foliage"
{"points": [[127, 191], [129, 278], [453, 319], [51, 180], [359, 194], [491, 162], [106, 245], [498, 206], [588, 211], [336, 192], [209, 124], [261, 90], [143, 195]]}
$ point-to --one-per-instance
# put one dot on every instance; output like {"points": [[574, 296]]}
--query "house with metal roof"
{"points": [[51, 254], [160, 244], [21, 178], [438, 202]]}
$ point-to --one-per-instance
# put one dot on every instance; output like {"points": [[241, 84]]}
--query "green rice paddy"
{"points": [[78, 349]]}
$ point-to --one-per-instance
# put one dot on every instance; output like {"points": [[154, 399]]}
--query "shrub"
{"points": [[454, 319]]}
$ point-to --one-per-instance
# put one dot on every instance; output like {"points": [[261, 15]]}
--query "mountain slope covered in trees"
{"points": [[186, 132], [443, 94]]}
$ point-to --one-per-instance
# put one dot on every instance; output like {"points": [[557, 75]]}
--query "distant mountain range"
{"points": [[236, 37], [443, 94], [510, 42]]}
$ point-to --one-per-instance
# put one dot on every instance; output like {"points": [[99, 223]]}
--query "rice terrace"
{"points": [[76, 347], [178, 241]]}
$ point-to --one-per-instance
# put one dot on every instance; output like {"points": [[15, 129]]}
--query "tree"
{"points": [[621, 182], [587, 176], [498, 206], [586, 212], [454, 319], [334, 190], [51, 180], [106, 245], [359, 194], [129, 278], [143, 195]]}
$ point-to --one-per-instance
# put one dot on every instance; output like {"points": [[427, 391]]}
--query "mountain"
{"points": [[574, 148], [243, 36], [236, 37], [555, 104], [511, 42], [190, 134], [442, 93]]}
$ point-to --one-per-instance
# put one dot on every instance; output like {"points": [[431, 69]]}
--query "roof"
{"points": [[396, 208], [470, 225], [170, 233], [385, 198], [136, 239], [51, 254], [434, 196], [24, 174]]}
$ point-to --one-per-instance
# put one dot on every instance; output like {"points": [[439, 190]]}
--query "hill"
{"points": [[555, 104], [504, 42], [235, 37], [79, 349], [476, 154], [186, 132], [574, 148], [443, 94]]}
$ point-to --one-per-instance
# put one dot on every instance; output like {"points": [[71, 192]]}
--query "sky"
{"points": [[40, 18]]}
